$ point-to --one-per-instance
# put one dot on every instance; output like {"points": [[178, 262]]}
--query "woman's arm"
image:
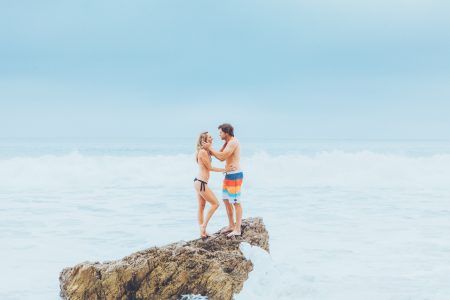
{"points": [[227, 169], [214, 169]]}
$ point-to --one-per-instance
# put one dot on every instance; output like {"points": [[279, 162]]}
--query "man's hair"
{"points": [[227, 128]]}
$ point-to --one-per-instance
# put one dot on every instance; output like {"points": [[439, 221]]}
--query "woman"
{"points": [[204, 193]]}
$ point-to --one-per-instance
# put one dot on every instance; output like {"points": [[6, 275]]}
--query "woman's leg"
{"points": [[201, 209], [205, 196], [211, 198]]}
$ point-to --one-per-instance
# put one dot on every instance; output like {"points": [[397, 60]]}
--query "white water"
{"points": [[347, 222]]}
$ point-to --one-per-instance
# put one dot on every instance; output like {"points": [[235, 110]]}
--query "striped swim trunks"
{"points": [[232, 186]]}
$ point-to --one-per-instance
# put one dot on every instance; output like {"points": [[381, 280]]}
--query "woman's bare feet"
{"points": [[203, 233]]}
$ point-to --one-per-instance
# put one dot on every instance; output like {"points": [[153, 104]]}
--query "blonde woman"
{"points": [[204, 193]]}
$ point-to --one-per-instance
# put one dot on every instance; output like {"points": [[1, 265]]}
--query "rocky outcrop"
{"points": [[214, 267]]}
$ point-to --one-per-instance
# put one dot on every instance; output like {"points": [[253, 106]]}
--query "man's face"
{"points": [[222, 134]]}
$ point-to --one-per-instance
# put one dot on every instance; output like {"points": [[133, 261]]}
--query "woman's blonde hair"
{"points": [[203, 138]]}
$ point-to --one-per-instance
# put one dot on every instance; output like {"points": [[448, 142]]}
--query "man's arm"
{"points": [[223, 155], [204, 158]]}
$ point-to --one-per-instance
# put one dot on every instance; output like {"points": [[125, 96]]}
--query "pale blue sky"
{"points": [[302, 69]]}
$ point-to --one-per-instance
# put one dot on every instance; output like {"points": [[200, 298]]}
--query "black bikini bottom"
{"points": [[202, 184]]}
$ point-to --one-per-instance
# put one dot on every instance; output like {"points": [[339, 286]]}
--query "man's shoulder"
{"points": [[233, 141]]}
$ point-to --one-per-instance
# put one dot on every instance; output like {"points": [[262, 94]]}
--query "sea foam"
{"points": [[261, 170]]}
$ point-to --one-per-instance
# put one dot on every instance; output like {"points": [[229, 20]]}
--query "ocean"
{"points": [[347, 219]]}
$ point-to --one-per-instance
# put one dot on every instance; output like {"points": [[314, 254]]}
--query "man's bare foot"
{"points": [[227, 229], [234, 233]]}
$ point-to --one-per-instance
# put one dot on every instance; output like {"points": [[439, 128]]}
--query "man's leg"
{"points": [[236, 192], [226, 196], [237, 227], [238, 208], [230, 216]]}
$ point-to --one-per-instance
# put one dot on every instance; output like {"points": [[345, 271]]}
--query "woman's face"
{"points": [[209, 139]]}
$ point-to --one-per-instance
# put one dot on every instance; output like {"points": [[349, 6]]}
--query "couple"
{"points": [[230, 152]]}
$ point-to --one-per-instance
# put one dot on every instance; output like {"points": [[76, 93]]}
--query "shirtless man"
{"points": [[230, 152]]}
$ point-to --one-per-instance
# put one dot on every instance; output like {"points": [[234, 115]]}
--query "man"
{"points": [[230, 152]]}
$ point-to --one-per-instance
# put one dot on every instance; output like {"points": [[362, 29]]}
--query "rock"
{"points": [[214, 267]]}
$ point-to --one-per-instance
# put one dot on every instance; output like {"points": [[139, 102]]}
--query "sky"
{"points": [[290, 69]]}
